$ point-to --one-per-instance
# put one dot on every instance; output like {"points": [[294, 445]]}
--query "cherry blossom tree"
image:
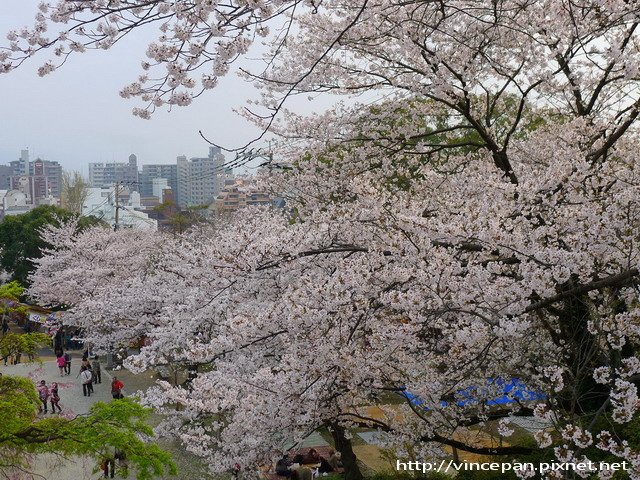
{"points": [[477, 222], [91, 266]]}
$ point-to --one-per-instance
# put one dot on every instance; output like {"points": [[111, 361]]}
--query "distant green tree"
{"points": [[11, 291], [75, 190], [17, 345], [180, 220], [20, 238], [10, 294], [117, 425]]}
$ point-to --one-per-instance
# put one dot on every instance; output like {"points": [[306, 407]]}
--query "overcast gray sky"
{"points": [[75, 115]]}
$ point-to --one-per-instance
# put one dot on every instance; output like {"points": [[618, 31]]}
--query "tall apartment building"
{"points": [[200, 179], [37, 179], [153, 171], [22, 165], [182, 171], [6, 172], [106, 174]]}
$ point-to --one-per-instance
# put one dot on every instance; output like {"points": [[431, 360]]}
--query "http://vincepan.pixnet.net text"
{"points": [[504, 467]]}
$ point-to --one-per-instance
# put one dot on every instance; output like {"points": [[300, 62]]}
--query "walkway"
{"points": [[73, 403], [70, 388]]}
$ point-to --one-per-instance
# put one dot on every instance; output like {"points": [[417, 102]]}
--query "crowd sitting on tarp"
{"points": [[300, 467]]}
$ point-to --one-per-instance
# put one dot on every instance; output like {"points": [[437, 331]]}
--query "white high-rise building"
{"points": [[158, 185], [200, 179], [24, 161], [108, 174]]}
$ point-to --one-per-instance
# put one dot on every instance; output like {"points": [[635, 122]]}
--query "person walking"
{"points": [[67, 363], [61, 362], [116, 388], [108, 467], [5, 327], [123, 463], [85, 363], [43, 395], [97, 372], [55, 398], [86, 377]]}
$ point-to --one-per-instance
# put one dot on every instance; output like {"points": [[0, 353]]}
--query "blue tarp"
{"points": [[512, 390]]}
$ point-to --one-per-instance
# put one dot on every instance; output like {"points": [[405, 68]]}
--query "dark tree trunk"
{"points": [[349, 460], [583, 355]]}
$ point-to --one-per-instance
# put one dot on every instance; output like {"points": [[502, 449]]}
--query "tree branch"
{"points": [[612, 281]]}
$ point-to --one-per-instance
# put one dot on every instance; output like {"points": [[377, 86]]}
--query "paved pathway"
{"points": [[69, 387], [73, 403]]}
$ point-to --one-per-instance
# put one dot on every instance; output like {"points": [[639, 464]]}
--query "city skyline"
{"points": [[84, 170]]}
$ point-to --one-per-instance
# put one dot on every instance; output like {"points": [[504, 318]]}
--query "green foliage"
{"points": [[121, 424], [10, 294], [18, 404], [197, 208], [629, 432], [11, 291], [20, 237], [180, 222], [26, 344]]}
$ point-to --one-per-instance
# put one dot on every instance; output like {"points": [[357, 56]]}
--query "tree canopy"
{"points": [[75, 190], [25, 345], [11, 291], [20, 238]]}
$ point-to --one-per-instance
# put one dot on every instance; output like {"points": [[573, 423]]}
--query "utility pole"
{"points": [[115, 229], [117, 195]]}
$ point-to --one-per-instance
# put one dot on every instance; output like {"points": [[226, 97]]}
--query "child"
{"points": [[61, 362], [43, 395], [67, 363], [55, 398]]}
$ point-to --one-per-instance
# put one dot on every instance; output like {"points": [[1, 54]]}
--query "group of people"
{"points": [[108, 465], [48, 394], [300, 467], [63, 360], [90, 373]]}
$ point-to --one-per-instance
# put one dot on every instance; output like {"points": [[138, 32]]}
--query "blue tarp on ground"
{"points": [[512, 390]]}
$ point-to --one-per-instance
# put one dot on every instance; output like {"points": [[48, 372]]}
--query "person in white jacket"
{"points": [[86, 377]]}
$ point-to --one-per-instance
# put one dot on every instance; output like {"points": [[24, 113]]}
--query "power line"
{"points": [[96, 207], [148, 220]]}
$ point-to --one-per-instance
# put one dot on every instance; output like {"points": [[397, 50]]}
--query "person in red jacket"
{"points": [[116, 388]]}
